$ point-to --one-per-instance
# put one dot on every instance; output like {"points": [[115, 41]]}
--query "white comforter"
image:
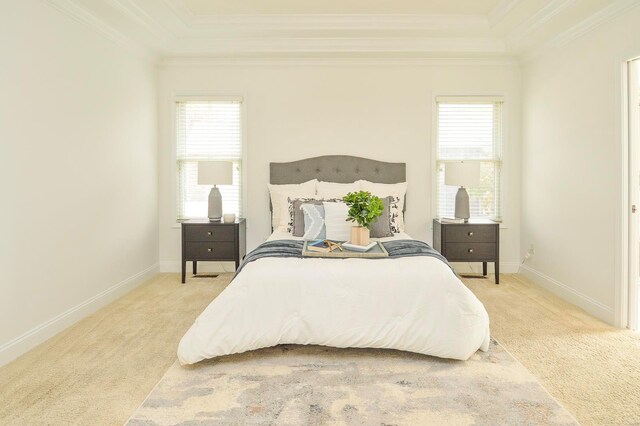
{"points": [[414, 304]]}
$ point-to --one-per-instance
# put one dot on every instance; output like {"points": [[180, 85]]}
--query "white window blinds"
{"points": [[207, 130], [470, 129]]}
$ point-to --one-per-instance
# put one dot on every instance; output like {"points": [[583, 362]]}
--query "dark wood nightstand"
{"points": [[475, 241], [212, 241]]}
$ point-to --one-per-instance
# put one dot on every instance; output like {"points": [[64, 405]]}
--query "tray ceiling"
{"points": [[409, 28]]}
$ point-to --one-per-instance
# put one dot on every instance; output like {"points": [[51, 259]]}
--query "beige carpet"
{"points": [[591, 368], [99, 371], [315, 385]]}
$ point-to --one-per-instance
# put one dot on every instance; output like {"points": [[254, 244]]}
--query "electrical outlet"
{"points": [[532, 249]]}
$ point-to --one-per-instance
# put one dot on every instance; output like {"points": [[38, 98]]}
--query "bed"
{"points": [[414, 304]]}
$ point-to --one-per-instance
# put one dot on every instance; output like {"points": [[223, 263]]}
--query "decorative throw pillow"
{"points": [[336, 190], [314, 222], [381, 228], [296, 217], [395, 212], [281, 193], [335, 218], [396, 190]]}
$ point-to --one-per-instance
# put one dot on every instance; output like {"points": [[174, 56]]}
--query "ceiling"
{"points": [[407, 28], [431, 7]]}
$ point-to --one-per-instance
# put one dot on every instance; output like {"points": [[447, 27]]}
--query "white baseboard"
{"points": [[32, 338], [592, 306], [476, 267], [208, 267]]}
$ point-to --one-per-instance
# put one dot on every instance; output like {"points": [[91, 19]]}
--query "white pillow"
{"points": [[280, 195], [335, 221], [336, 190], [388, 189]]}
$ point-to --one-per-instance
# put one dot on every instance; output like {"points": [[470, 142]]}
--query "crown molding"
{"points": [[135, 13], [227, 44], [80, 14], [288, 35], [181, 10], [340, 22], [501, 10], [259, 34], [544, 15], [328, 21], [377, 60], [310, 22], [425, 45], [615, 9]]}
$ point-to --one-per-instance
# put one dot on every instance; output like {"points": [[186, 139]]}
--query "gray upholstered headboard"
{"points": [[337, 168]]}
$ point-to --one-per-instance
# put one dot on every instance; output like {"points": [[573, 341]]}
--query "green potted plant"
{"points": [[364, 209]]}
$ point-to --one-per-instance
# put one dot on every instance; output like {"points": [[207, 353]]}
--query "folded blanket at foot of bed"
{"points": [[293, 248]]}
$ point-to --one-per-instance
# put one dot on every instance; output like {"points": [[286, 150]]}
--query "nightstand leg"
{"points": [[184, 271], [195, 267], [237, 263], [497, 268], [484, 269]]}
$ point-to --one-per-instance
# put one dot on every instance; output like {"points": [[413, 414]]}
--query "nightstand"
{"points": [[212, 242], [475, 241]]}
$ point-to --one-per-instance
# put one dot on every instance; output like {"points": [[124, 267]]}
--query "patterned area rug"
{"points": [[311, 385]]}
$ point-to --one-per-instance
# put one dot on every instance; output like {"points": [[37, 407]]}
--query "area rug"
{"points": [[311, 385]]}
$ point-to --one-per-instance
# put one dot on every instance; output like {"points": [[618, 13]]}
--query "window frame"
{"points": [[505, 166], [215, 97]]}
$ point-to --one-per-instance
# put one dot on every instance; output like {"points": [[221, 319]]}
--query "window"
{"points": [[207, 130], [470, 129]]}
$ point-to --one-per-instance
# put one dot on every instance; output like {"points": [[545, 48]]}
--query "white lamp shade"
{"points": [[215, 173], [462, 174]]}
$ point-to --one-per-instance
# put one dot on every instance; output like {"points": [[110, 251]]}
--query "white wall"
{"points": [[78, 172], [376, 109], [571, 159]]}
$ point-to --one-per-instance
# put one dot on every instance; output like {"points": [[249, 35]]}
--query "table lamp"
{"points": [[215, 173], [462, 174]]}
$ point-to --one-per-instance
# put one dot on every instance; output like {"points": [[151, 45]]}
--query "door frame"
{"points": [[632, 115]]}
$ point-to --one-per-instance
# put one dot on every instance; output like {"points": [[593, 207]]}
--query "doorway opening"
{"points": [[633, 119]]}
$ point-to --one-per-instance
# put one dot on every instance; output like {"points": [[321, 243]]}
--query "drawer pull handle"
{"points": [[470, 234], [209, 250], [470, 250], [209, 233]]}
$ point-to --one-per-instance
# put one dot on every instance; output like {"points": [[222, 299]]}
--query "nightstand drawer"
{"points": [[209, 233], [210, 251], [471, 233], [457, 252]]}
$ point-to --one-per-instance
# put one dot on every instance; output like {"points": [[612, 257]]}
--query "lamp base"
{"points": [[215, 205], [462, 204]]}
